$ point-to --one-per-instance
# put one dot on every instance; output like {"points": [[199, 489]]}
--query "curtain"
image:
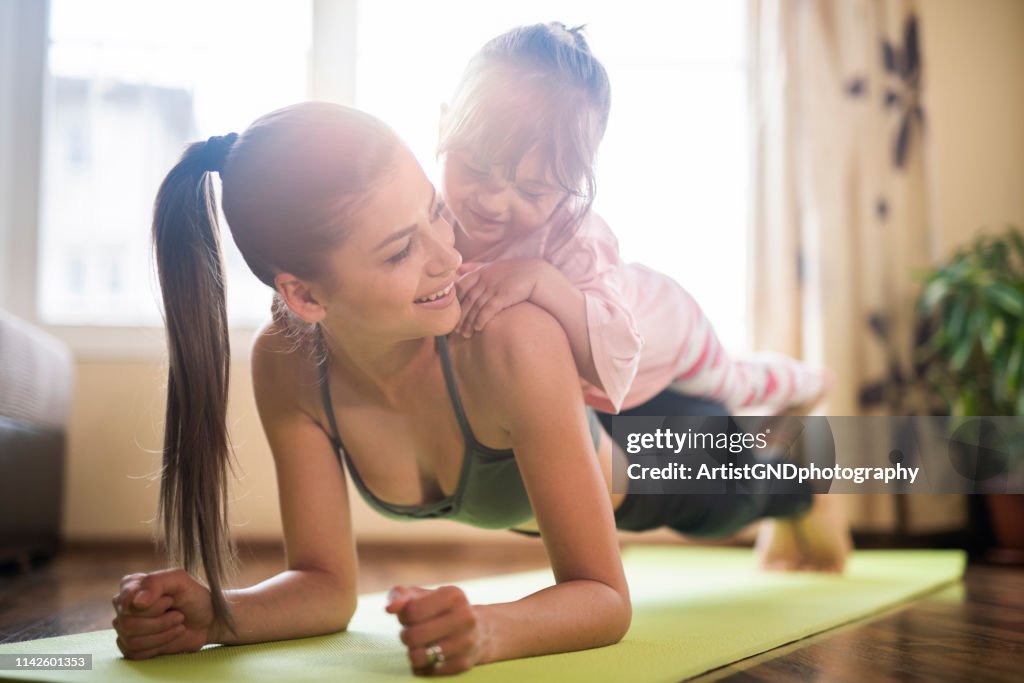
{"points": [[840, 219]]}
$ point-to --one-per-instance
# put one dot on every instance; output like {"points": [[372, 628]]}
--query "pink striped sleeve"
{"points": [[766, 381]]}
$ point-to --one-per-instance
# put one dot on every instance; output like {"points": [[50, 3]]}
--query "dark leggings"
{"points": [[703, 515]]}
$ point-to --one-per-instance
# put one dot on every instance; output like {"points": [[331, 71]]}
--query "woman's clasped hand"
{"points": [[441, 630], [162, 612]]}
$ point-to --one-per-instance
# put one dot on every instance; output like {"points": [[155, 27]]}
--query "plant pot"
{"points": [[1006, 512]]}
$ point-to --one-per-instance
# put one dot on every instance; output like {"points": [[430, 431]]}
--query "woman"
{"points": [[330, 209]]}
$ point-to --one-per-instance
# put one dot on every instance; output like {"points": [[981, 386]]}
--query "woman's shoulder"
{"points": [[521, 337], [275, 343], [282, 365], [512, 371]]}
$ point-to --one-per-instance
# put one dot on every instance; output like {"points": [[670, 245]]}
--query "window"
{"points": [[130, 84], [673, 168]]}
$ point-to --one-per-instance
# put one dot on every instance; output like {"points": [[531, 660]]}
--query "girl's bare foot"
{"points": [[777, 547], [818, 541], [810, 405]]}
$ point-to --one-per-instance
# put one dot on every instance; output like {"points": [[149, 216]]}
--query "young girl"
{"points": [[518, 145], [356, 376]]}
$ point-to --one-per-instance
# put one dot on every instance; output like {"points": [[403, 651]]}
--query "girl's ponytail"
{"points": [[193, 508]]}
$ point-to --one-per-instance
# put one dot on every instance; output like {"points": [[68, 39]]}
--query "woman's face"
{"points": [[396, 270], [493, 204]]}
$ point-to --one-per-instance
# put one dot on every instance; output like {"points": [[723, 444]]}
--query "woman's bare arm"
{"points": [[525, 352], [317, 592]]}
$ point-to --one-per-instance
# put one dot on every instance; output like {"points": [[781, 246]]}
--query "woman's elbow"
{"points": [[347, 615], [620, 619], [341, 615], [624, 620]]}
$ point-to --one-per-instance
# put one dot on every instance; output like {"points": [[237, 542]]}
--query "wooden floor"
{"points": [[972, 631]]}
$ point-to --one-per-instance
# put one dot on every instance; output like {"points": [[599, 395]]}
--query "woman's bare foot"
{"points": [[818, 541]]}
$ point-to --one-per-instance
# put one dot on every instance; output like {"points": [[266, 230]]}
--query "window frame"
{"points": [[24, 92]]}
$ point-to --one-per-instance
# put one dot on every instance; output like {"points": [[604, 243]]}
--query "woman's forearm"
{"points": [[292, 604], [574, 615]]}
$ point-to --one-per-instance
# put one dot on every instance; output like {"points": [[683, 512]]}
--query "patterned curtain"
{"points": [[840, 224]]}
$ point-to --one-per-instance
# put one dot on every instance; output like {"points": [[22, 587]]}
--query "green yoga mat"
{"points": [[695, 609]]}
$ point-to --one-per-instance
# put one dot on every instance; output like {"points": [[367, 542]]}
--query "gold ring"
{"points": [[435, 656]]}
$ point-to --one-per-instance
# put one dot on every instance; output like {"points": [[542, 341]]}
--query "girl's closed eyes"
{"points": [[475, 170], [531, 196], [479, 170]]}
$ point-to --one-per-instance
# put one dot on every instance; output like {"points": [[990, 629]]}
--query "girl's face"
{"points": [[396, 270], [493, 203]]}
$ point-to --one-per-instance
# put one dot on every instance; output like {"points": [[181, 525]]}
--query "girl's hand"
{"points": [[486, 290], [440, 618], [161, 613]]}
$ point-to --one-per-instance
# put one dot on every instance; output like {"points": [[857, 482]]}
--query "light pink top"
{"points": [[647, 333]]}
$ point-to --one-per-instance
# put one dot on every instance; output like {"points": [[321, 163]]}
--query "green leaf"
{"points": [[1008, 298], [974, 354], [962, 354], [1013, 365], [927, 275], [984, 328], [966, 402], [955, 323], [1000, 360], [934, 293], [999, 330], [977, 323]]}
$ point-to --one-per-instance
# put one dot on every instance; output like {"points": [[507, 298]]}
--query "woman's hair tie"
{"points": [[215, 151]]}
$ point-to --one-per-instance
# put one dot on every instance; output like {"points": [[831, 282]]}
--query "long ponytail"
{"points": [[290, 184], [193, 509]]}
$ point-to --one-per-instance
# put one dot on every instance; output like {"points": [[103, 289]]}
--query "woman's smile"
{"points": [[439, 299]]}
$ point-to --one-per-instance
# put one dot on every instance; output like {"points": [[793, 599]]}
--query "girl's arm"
{"points": [[490, 289], [583, 284], [524, 358]]}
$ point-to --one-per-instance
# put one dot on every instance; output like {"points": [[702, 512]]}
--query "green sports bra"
{"points": [[490, 493]]}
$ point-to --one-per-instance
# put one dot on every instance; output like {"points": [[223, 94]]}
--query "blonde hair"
{"points": [[534, 86]]}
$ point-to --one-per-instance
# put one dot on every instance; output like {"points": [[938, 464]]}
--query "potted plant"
{"points": [[973, 351]]}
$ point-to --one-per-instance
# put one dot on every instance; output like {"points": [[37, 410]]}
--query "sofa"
{"points": [[36, 384]]}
